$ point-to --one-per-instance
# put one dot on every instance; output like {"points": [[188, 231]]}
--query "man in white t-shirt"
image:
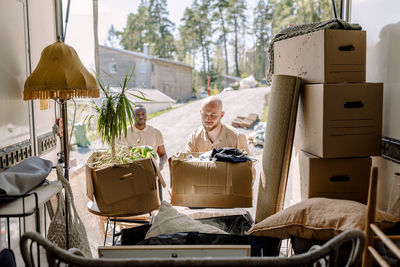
{"points": [[147, 134]]}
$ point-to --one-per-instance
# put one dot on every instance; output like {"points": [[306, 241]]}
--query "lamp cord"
{"points": [[66, 20], [73, 122]]}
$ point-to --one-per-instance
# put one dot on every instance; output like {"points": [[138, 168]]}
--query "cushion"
{"points": [[25, 176], [169, 220], [319, 219]]}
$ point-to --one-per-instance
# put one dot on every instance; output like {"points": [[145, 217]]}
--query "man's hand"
{"points": [[162, 155]]}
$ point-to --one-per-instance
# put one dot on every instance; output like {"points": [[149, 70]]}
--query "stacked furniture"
{"points": [[339, 122]]}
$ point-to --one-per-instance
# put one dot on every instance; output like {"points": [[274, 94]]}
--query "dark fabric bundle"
{"points": [[229, 155], [232, 224]]}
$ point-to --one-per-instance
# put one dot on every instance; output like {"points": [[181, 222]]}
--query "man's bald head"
{"points": [[140, 107], [212, 101], [211, 113], [140, 116]]}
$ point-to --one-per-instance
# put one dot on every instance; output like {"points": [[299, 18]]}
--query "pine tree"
{"points": [[113, 38], [160, 29], [221, 7], [262, 31], [237, 20], [135, 34]]}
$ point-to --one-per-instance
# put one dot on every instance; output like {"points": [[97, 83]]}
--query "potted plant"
{"points": [[121, 181]]}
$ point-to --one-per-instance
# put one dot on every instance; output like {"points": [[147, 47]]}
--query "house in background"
{"points": [[228, 80], [159, 100], [172, 78]]}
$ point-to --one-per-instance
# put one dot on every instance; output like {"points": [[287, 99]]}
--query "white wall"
{"points": [[381, 20]]}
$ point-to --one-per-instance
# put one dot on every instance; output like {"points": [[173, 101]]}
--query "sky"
{"points": [[79, 32]]}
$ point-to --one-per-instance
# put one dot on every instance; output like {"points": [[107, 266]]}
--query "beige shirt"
{"points": [[228, 137], [150, 136]]}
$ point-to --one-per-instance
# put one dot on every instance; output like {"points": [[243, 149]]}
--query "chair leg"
{"points": [[105, 233], [370, 217], [160, 190], [113, 235]]}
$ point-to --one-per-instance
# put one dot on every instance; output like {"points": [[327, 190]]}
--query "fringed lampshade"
{"points": [[60, 75]]}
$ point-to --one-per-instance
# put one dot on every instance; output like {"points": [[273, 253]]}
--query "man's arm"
{"points": [[242, 143], [162, 155], [190, 146]]}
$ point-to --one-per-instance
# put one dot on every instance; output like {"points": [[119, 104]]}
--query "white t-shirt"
{"points": [[150, 136]]}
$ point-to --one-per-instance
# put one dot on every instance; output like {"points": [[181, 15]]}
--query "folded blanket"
{"points": [[304, 29]]}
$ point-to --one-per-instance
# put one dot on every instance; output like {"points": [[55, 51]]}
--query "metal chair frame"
{"points": [[325, 255]]}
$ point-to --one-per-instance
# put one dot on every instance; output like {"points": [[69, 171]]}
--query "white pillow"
{"points": [[169, 220]]}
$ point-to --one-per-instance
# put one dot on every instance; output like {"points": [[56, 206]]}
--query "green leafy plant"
{"points": [[115, 112], [123, 155]]}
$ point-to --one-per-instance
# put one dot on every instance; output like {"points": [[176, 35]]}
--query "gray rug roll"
{"points": [[281, 119]]}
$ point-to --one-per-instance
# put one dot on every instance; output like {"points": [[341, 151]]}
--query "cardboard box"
{"points": [[340, 120], [209, 184], [334, 178], [124, 189], [325, 56]]}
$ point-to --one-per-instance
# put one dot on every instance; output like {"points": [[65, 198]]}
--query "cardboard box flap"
{"points": [[89, 183], [136, 178], [158, 173], [211, 201]]}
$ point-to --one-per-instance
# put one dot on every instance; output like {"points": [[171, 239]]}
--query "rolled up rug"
{"points": [[281, 118]]}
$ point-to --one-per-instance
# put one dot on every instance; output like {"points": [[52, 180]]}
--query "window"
{"points": [[112, 68], [143, 66]]}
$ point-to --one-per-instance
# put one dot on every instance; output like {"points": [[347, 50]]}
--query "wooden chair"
{"points": [[372, 229], [325, 255]]}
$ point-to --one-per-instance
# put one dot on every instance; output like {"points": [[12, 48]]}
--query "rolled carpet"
{"points": [[281, 118]]}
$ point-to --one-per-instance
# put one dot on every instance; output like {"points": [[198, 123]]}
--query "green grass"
{"points": [[158, 113], [263, 117]]}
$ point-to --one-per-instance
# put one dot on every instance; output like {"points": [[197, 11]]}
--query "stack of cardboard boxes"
{"points": [[339, 122]]}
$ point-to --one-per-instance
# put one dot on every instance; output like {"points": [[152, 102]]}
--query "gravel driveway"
{"points": [[178, 124]]}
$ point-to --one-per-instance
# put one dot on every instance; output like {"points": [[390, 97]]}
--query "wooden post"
{"points": [[370, 217]]}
